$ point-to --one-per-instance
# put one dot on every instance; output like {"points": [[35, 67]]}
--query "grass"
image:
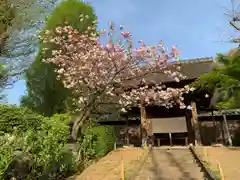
{"points": [[215, 171], [136, 166]]}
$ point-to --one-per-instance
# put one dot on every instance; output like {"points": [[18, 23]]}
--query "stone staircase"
{"points": [[170, 164]]}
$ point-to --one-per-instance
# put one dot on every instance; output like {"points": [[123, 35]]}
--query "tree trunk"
{"points": [[77, 124]]}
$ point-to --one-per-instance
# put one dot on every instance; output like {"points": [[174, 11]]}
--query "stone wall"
{"points": [[126, 135]]}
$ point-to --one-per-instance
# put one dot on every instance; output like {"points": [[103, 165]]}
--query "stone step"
{"points": [[169, 164]]}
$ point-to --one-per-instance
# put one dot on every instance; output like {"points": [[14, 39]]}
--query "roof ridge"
{"points": [[195, 60]]}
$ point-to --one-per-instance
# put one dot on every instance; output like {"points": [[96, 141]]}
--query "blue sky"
{"points": [[198, 28]]}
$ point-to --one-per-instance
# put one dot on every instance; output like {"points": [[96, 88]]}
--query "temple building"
{"points": [[172, 126]]}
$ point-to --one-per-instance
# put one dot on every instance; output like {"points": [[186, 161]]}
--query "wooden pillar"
{"points": [[195, 124], [186, 141], [170, 138], [143, 123], [158, 142], [215, 128], [153, 138], [227, 130], [222, 132], [189, 126], [127, 133]]}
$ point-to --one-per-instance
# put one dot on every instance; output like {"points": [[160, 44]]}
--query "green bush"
{"points": [[13, 117], [36, 147], [105, 139], [44, 147], [97, 141]]}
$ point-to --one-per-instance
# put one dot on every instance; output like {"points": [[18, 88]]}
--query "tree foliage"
{"points": [[20, 23], [4, 81], [224, 78], [46, 94], [7, 14], [21, 17]]}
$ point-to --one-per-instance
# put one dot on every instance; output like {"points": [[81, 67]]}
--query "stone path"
{"points": [[173, 164]]}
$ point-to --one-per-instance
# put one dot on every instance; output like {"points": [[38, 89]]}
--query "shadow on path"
{"points": [[169, 165], [155, 169], [173, 161]]}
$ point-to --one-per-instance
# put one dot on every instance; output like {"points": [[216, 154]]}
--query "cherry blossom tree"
{"points": [[96, 70]]}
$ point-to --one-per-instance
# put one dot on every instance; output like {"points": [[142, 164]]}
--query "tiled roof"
{"points": [[191, 68], [228, 112]]}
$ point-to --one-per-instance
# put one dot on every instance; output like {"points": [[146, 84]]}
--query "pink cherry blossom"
{"points": [[95, 71], [125, 34], [175, 52]]}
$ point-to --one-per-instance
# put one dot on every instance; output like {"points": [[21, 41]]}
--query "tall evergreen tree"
{"points": [[46, 94]]}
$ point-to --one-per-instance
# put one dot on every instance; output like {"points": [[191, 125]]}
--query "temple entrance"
{"points": [[170, 139], [169, 131]]}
